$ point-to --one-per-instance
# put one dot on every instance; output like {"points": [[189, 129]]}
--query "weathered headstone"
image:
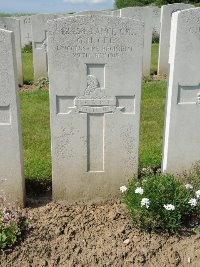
{"points": [[156, 20], [166, 14], [144, 14], [116, 12], [25, 28], [14, 26], [95, 69], [94, 12], [11, 165], [182, 125], [39, 41]]}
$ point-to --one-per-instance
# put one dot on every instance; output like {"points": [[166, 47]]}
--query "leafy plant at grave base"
{"points": [[155, 38], [42, 82], [161, 203], [12, 224], [192, 176], [27, 48]]}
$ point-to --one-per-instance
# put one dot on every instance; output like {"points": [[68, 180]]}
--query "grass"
{"points": [[27, 59], [15, 14], [36, 134], [36, 128], [152, 123], [154, 58]]}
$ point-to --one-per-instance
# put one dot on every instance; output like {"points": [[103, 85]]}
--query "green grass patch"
{"points": [[152, 123], [28, 71], [36, 134], [15, 14], [154, 58]]}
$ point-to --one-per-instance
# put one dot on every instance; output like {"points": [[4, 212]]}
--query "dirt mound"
{"points": [[96, 236]]}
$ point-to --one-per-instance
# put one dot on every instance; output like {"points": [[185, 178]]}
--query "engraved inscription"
{"points": [[188, 94], [28, 37], [95, 142], [96, 42], [64, 104], [27, 20], [5, 116], [95, 103], [126, 103], [43, 44]]}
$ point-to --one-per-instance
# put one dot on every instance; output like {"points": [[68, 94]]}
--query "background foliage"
{"points": [[129, 3]]}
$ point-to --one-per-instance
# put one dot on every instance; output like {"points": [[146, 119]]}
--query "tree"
{"points": [[130, 3]]}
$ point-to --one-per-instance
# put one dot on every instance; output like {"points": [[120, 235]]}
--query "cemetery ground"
{"points": [[92, 235]]}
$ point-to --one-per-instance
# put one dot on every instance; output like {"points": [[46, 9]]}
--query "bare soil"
{"points": [[95, 235]]}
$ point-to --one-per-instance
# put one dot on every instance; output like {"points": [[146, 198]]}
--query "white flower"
{"points": [[145, 202], [123, 189], [139, 190], [192, 202], [188, 186], [197, 193], [169, 207]]}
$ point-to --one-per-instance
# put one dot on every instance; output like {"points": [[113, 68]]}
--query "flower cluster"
{"points": [[12, 223], [162, 202], [170, 207]]}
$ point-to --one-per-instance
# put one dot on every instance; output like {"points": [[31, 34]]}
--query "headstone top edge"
{"points": [[6, 31], [189, 10], [50, 21], [176, 5]]}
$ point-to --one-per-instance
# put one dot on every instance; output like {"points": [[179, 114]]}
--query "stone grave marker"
{"points": [[182, 125], [156, 20], [95, 69], [11, 164], [144, 14], [116, 12], [39, 41], [166, 14], [25, 28], [94, 12], [13, 25]]}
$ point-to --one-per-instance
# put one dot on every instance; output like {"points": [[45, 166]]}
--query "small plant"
{"points": [[12, 224], [155, 38], [27, 48], [42, 82], [161, 202]]}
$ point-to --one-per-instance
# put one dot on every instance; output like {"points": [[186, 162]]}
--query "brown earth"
{"points": [[95, 236]]}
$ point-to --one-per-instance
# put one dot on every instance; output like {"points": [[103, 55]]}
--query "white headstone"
{"points": [[14, 26], [11, 164], [39, 41], [166, 14], [144, 14], [25, 28], [116, 12], [94, 12], [182, 125], [95, 69], [156, 19]]}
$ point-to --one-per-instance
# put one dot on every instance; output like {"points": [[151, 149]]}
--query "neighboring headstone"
{"points": [[95, 70], [166, 14], [144, 14], [116, 12], [94, 12], [156, 20], [39, 42], [25, 28], [182, 125], [14, 26], [11, 164]]}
